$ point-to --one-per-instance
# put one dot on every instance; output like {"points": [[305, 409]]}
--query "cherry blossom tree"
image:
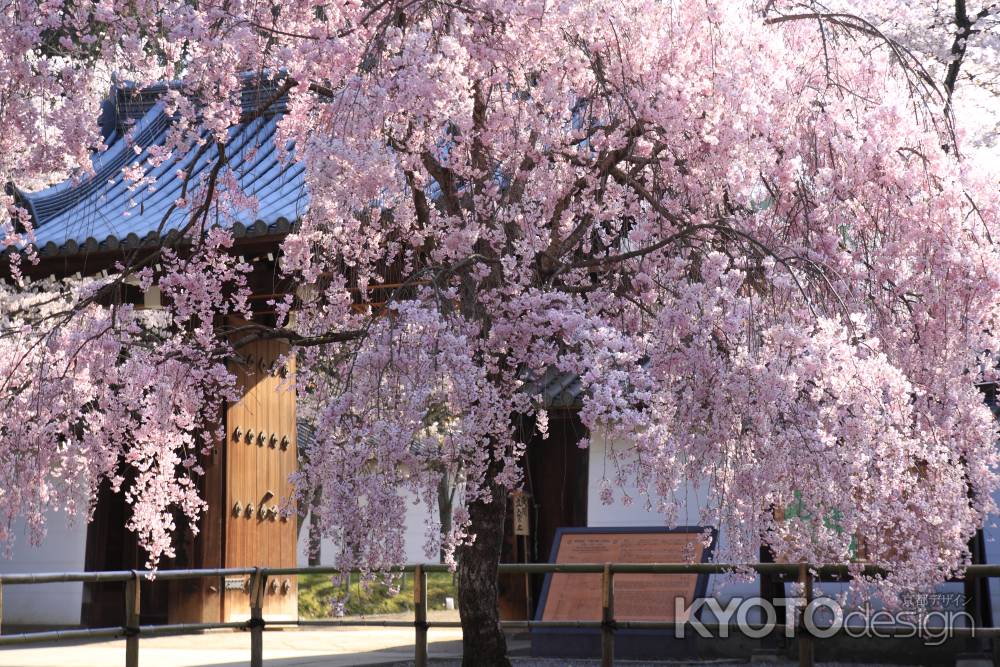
{"points": [[760, 234]]}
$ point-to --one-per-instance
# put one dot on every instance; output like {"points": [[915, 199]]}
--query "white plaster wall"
{"points": [[619, 515], [62, 550], [417, 516]]}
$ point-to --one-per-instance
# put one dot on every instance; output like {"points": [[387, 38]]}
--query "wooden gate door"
{"points": [[260, 455]]}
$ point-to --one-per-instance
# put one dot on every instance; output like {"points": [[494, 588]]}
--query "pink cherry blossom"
{"points": [[761, 235]]}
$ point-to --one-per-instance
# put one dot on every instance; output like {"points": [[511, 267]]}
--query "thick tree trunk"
{"points": [[483, 642]]}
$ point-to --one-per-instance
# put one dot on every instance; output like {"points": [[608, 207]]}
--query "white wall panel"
{"points": [[414, 536], [63, 550]]}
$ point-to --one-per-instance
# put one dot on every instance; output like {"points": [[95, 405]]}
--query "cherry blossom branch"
{"points": [[963, 32]]}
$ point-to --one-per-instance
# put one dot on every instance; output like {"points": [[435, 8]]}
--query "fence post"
{"points": [[132, 607], [607, 617], [806, 657], [1, 606], [420, 616], [256, 622]]}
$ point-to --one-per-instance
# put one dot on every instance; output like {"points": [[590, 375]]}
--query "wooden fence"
{"points": [[131, 630]]}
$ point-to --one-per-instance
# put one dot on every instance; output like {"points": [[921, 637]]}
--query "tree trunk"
{"points": [[445, 495], [315, 542], [483, 642]]}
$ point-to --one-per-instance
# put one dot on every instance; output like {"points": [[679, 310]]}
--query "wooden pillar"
{"points": [[772, 587], [420, 616], [256, 623], [607, 617], [806, 656], [132, 608]]}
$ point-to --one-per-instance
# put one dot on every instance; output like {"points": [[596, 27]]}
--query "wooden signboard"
{"points": [[638, 597], [522, 511]]}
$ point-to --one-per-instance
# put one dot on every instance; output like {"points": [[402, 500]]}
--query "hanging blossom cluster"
{"points": [[751, 229], [95, 391], [107, 393], [749, 237], [374, 436]]}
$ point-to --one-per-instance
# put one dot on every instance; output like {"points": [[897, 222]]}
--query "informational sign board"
{"points": [[522, 510], [637, 597]]}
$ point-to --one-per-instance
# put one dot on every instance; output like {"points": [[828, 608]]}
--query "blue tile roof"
{"points": [[99, 212]]}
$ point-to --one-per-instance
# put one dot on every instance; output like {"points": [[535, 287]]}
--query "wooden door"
{"points": [[556, 484], [260, 456]]}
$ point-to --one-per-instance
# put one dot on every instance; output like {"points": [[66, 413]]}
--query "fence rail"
{"points": [[131, 630]]}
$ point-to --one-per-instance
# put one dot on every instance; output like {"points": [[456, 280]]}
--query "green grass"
{"points": [[317, 592]]}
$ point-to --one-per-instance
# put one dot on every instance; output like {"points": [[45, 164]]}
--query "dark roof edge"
{"points": [[259, 228]]}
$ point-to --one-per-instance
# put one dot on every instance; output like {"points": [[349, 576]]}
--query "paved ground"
{"points": [[552, 662], [304, 647], [333, 647], [289, 648], [339, 647]]}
